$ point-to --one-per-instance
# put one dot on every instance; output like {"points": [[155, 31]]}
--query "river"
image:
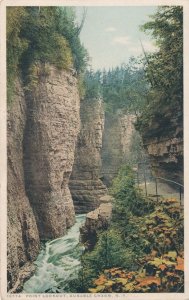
{"points": [[57, 263]]}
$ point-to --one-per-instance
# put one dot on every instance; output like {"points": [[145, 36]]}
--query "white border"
{"points": [[3, 142]]}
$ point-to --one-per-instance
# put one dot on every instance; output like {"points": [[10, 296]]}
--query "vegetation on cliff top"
{"points": [[40, 35], [148, 86], [164, 68], [124, 87]]}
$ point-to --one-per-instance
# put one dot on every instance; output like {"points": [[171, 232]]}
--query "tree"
{"points": [[167, 29], [128, 200], [15, 45], [123, 87], [40, 35], [164, 68], [93, 87]]}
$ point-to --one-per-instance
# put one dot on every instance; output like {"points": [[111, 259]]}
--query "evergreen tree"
{"points": [[164, 68]]}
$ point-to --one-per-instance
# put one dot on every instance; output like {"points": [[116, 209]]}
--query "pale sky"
{"points": [[111, 34]]}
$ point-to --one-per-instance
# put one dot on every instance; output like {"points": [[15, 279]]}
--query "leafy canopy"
{"points": [[164, 68], [42, 35], [123, 87]]}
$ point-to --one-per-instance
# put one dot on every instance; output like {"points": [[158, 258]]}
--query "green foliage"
{"points": [[109, 252], [167, 28], [164, 68], [153, 243], [128, 199], [117, 246], [123, 87], [67, 27], [39, 36], [142, 250], [136, 149], [93, 87], [81, 85], [15, 45], [165, 274]]}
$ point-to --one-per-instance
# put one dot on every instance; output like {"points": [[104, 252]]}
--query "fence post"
{"points": [[156, 190], [180, 191], [138, 176], [82, 274], [145, 181], [106, 250]]}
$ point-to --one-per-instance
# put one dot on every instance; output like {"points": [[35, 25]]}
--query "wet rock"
{"points": [[95, 220]]}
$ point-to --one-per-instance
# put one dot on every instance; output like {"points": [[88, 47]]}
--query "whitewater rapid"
{"points": [[58, 263]]}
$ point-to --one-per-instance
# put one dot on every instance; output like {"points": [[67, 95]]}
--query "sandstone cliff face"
{"points": [[42, 132], [163, 140], [166, 157], [117, 137], [22, 232], [49, 143], [85, 185]]}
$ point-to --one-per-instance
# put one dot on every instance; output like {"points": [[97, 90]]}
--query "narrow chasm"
{"points": [[95, 181], [58, 263]]}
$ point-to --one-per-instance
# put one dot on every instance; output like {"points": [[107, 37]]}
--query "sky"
{"points": [[112, 35]]}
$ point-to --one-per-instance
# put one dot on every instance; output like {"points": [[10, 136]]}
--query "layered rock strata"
{"points": [[42, 131], [116, 147], [85, 184], [22, 232], [163, 140], [49, 143]]}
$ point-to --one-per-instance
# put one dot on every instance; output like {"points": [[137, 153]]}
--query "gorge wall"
{"points": [[42, 132], [22, 232], [85, 184], [116, 147], [49, 144], [58, 151], [163, 140]]}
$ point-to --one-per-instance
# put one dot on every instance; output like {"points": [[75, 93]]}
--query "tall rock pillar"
{"points": [[85, 184]]}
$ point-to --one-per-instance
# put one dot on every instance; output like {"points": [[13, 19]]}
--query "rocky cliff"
{"points": [[98, 219], [42, 132], [85, 184], [117, 139], [49, 144], [22, 232], [163, 140]]}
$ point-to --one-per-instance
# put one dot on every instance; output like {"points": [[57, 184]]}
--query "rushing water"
{"points": [[57, 263]]}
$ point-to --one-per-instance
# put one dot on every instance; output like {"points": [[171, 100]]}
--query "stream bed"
{"points": [[57, 263]]}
